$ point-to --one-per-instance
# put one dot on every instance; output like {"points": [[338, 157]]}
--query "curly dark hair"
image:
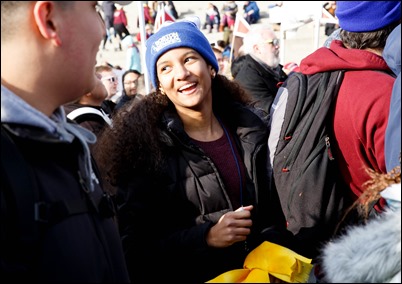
{"points": [[134, 142]]}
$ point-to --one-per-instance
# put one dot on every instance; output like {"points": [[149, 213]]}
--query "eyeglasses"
{"points": [[274, 42], [111, 79], [131, 82]]}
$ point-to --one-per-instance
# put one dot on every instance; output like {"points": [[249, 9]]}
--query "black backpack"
{"points": [[305, 172]]}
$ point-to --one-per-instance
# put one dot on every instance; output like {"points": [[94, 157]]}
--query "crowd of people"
{"points": [[117, 185]]}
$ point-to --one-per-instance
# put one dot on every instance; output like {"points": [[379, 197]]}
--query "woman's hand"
{"points": [[231, 228]]}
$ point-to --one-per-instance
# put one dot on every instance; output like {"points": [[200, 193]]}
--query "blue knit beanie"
{"points": [[367, 16], [182, 33]]}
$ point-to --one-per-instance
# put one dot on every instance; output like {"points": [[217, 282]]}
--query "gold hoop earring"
{"points": [[161, 91]]}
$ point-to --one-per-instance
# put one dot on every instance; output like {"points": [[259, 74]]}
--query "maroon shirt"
{"points": [[221, 155]]}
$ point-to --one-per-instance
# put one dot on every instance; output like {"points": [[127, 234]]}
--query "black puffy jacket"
{"points": [[167, 214]]}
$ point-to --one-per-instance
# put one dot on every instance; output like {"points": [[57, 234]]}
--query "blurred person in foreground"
{"points": [[190, 164], [48, 57], [392, 55]]}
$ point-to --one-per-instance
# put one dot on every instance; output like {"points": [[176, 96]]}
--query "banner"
{"points": [[161, 17], [240, 29]]}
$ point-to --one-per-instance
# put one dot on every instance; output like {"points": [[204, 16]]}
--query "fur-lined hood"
{"points": [[366, 254]]}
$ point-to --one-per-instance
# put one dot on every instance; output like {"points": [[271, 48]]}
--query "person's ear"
{"points": [[44, 13], [212, 72]]}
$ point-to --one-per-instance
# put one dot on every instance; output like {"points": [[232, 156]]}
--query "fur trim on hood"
{"points": [[366, 254]]}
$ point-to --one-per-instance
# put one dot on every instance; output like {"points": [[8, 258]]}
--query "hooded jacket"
{"points": [[81, 248], [361, 110]]}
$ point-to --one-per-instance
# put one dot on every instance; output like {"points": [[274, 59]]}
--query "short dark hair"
{"points": [[10, 23], [374, 40], [130, 71]]}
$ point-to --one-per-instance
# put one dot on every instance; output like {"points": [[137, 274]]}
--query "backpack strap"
{"points": [[86, 110], [321, 92]]}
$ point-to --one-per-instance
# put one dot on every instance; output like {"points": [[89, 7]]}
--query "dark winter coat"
{"points": [[167, 215], [126, 100], [261, 82], [82, 248], [55, 164]]}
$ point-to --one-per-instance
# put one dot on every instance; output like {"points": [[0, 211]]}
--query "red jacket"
{"points": [[119, 17], [361, 111]]}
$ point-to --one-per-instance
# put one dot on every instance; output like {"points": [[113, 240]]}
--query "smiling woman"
{"points": [[189, 163]]}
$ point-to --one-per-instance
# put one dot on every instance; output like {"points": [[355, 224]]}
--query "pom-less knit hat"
{"points": [[367, 16], [182, 33]]}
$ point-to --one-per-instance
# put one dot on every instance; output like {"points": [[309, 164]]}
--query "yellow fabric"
{"points": [[269, 259]]}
